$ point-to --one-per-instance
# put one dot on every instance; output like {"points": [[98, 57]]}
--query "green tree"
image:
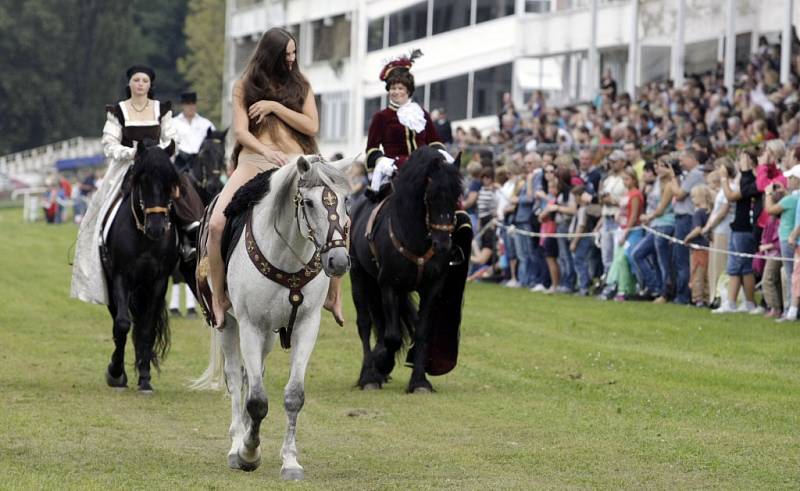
{"points": [[204, 61], [63, 60]]}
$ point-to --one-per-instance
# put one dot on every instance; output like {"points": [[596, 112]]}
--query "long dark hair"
{"points": [[266, 77]]}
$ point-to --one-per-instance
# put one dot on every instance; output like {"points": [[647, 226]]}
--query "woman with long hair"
{"points": [[274, 115]]}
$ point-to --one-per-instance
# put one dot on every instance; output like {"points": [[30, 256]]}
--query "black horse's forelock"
{"points": [[426, 170], [154, 164]]}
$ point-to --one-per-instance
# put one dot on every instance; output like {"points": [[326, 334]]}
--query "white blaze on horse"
{"points": [[297, 230]]}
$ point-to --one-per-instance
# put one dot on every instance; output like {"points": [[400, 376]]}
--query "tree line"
{"points": [[62, 61]]}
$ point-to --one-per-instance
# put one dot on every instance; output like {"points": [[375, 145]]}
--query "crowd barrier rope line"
{"points": [[512, 230]]}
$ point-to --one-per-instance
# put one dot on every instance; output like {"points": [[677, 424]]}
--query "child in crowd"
{"points": [[703, 201], [548, 242], [771, 281], [783, 206], [582, 222]]}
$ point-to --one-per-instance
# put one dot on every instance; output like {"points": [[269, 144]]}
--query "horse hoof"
{"points": [[120, 382], [145, 388], [235, 461], [292, 474], [422, 390], [372, 386]]}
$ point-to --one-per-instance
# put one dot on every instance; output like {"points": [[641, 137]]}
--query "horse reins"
{"points": [[419, 261]]}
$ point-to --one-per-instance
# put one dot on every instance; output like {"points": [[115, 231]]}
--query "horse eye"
{"points": [[308, 203]]}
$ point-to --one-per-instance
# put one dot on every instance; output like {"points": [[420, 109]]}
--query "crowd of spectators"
{"points": [[664, 195]]}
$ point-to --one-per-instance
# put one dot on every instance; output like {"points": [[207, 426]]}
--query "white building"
{"points": [[477, 49]]}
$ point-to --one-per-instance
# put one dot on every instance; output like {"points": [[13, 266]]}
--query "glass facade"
{"points": [[371, 106], [488, 88], [331, 37], [375, 34], [450, 14], [537, 6], [493, 9], [408, 24], [452, 95]]}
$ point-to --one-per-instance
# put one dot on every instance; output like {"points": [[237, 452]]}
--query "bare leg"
{"points": [[733, 290], [333, 301], [216, 266], [749, 284], [552, 266]]}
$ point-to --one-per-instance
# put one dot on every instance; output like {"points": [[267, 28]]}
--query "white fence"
{"points": [[42, 159]]}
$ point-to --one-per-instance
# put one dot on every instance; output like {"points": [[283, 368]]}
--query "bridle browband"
{"points": [[330, 201], [165, 210]]}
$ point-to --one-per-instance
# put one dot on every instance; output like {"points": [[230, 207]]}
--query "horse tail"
{"points": [[214, 375], [408, 318], [162, 332]]}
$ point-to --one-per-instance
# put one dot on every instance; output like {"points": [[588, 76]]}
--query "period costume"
{"points": [[120, 136], [397, 131]]}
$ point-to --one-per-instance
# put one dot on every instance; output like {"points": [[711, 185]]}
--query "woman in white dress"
{"points": [[139, 117]]}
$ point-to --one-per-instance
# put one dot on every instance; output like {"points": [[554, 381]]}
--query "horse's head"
{"points": [[153, 183], [431, 187], [321, 203], [209, 165]]}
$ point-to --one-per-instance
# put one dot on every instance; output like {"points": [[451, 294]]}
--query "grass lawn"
{"points": [[550, 392]]}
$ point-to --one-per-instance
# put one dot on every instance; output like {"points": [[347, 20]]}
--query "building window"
{"points": [[488, 88], [449, 15], [333, 115], [372, 106], [493, 9], [243, 50], [331, 37], [537, 6], [408, 24], [375, 34], [451, 94]]}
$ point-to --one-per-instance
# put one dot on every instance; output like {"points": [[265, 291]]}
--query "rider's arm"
{"points": [[112, 138], [306, 122], [169, 130], [241, 123]]}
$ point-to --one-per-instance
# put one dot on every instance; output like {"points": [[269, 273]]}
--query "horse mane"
{"points": [[154, 164], [320, 174], [426, 167]]}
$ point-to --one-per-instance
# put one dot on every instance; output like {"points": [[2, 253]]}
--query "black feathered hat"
{"points": [[141, 69]]}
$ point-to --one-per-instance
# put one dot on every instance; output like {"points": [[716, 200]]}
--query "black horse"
{"points": [[206, 168], [139, 254], [409, 249]]}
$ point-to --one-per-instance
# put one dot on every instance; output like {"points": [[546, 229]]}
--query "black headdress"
{"points": [[141, 69]]}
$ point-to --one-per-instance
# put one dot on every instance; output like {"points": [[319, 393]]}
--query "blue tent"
{"points": [[91, 161]]}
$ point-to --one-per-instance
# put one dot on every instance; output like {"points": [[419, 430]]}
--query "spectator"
{"points": [[771, 281], [703, 201], [443, 126], [612, 191], [473, 186], [743, 192], [548, 242], [784, 205], [718, 226]]}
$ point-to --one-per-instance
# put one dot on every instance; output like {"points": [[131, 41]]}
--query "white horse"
{"points": [[298, 229]]}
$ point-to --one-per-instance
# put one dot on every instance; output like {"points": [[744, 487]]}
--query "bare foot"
{"points": [[220, 306], [334, 306]]}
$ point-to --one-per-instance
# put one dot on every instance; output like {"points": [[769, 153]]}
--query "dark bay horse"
{"points": [[139, 254], [409, 249]]}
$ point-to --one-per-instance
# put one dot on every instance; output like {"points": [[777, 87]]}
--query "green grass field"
{"points": [[550, 392]]}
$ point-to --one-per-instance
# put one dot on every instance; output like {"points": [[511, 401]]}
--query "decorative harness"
{"points": [[147, 211], [419, 261], [297, 280]]}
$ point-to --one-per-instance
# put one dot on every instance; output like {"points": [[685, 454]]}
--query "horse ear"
{"points": [[457, 162], [209, 133], [225, 133], [141, 147], [303, 165], [170, 149], [344, 163]]}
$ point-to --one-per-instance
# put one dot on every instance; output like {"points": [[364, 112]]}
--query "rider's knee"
{"points": [[215, 226]]}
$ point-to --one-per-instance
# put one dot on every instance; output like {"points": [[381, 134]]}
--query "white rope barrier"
{"points": [[512, 230]]}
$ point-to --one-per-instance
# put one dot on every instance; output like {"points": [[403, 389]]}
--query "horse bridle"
{"points": [[149, 211], [439, 227], [330, 201]]}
